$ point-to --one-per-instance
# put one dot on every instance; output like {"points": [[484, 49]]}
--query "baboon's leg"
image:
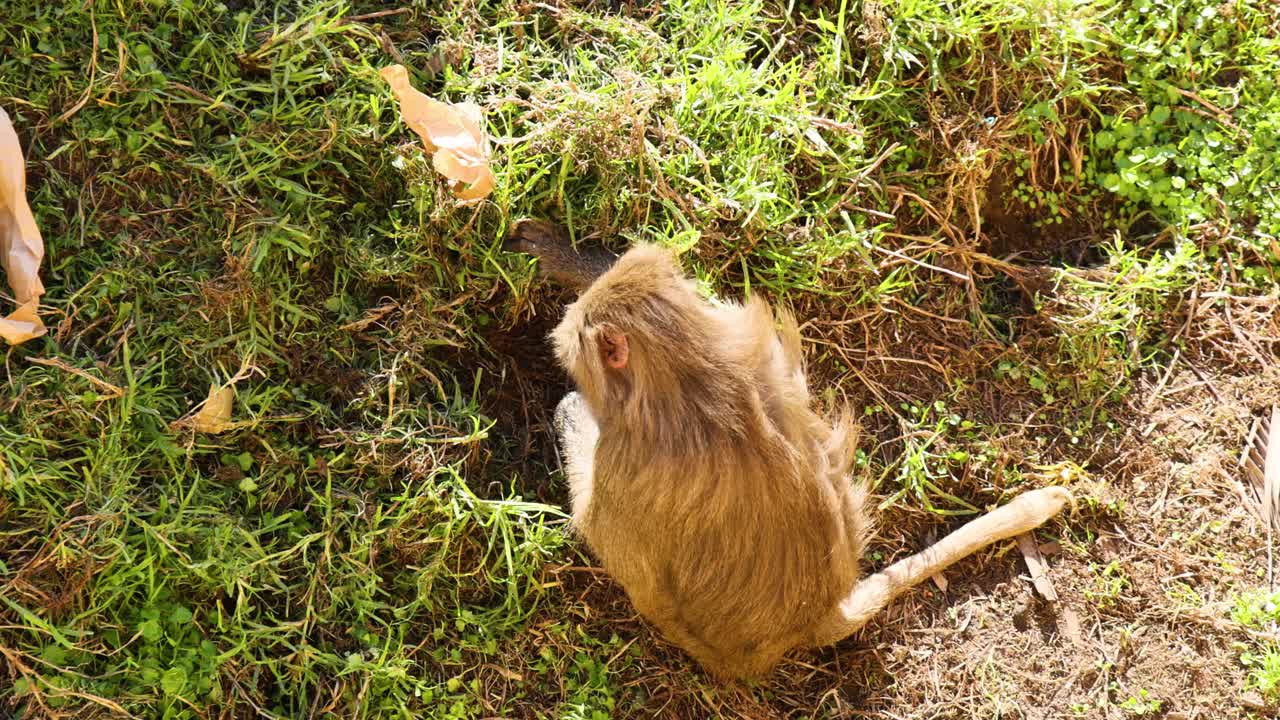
{"points": [[578, 433], [1027, 512]]}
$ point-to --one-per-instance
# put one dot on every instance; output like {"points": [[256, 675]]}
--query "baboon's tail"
{"points": [[872, 594]]}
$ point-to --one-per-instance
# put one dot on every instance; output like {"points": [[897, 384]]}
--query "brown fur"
{"points": [[558, 259], [708, 487], [721, 502]]}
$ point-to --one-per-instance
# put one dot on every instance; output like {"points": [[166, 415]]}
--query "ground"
{"points": [[1030, 242]]}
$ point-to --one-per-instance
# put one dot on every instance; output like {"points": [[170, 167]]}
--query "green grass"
{"points": [[1140, 704], [1260, 656], [236, 191]]}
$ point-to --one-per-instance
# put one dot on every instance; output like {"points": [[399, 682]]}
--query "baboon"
{"points": [[706, 484]]}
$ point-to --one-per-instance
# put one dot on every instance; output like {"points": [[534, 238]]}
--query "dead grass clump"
{"points": [[1234, 328], [233, 295]]}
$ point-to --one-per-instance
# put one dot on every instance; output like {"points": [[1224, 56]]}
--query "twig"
{"points": [[1155, 394], [921, 263], [93, 75], [1222, 115], [375, 15], [1270, 487], [192, 91], [1035, 564], [1212, 390], [113, 391]]}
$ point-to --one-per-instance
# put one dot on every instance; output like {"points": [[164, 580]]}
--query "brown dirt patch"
{"points": [[523, 402]]}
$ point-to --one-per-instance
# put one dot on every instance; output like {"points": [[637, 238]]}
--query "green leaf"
{"points": [[173, 681], [151, 630], [180, 616]]}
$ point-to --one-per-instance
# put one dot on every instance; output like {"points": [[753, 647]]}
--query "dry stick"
{"points": [[1036, 566], [857, 181], [112, 391], [1207, 383], [1222, 116], [1155, 394], [374, 15], [93, 74], [1267, 510], [921, 263], [1248, 442], [1271, 486], [1192, 307]]}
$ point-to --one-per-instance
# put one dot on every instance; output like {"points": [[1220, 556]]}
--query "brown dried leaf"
{"points": [[371, 316], [21, 247], [453, 133], [22, 324], [215, 415]]}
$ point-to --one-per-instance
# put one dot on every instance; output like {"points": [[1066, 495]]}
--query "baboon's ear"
{"points": [[612, 344]]}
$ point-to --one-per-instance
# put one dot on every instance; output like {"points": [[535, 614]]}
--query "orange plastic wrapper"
{"points": [[21, 247], [453, 133]]}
